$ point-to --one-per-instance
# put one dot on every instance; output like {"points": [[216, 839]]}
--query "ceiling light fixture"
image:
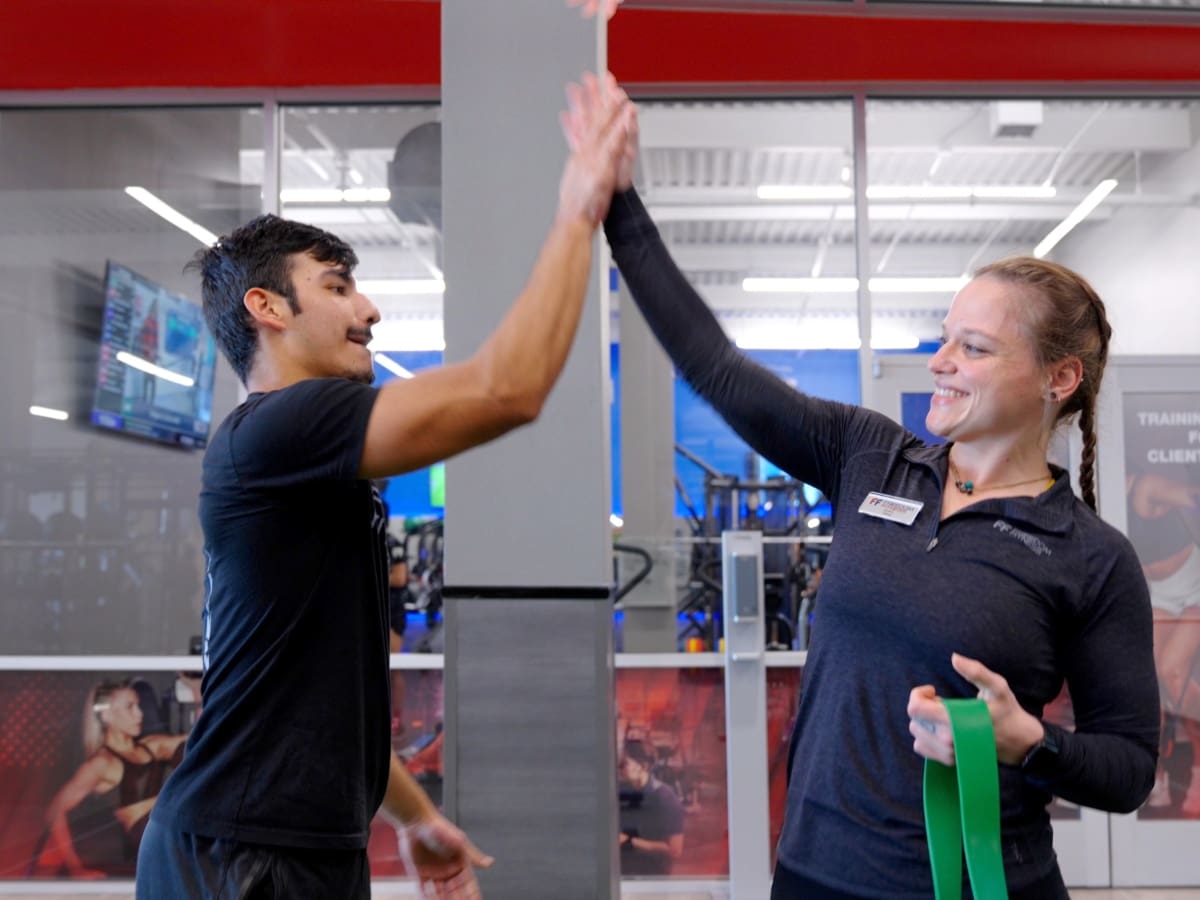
{"points": [[877, 285], [916, 285], [334, 195], [918, 192], [407, 334], [799, 285], [909, 192], [46, 412], [803, 192], [172, 215], [394, 287], [813, 334], [143, 365], [386, 362], [1077, 215]]}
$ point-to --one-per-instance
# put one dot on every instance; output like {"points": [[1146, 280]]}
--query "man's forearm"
{"points": [[405, 801]]}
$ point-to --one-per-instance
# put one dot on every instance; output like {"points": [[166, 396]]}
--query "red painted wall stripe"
{"points": [[62, 44], [57, 44], [725, 48]]}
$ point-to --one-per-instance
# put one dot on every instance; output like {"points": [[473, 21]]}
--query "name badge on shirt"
{"points": [[894, 509]]}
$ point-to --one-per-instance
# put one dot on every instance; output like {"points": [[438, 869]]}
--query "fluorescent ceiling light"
{"points": [[898, 285], [407, 334], [318, 169], [172, 215], [142, 365], [806, 337], [803, 192], [918, 192], [386, 362], [1077, 215], [908, 192], [46, 412], [815, 336], [963, 192], [392, 287], [951, 284], [894, 340], [334, 195], [799, 285], [1015, 192]]}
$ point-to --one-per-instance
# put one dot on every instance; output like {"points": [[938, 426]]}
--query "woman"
{"points": [[1162, 527], [116, 785], [988, 577]]}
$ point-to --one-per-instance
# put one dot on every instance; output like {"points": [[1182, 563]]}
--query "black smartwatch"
{"points": [[1041, 762]]}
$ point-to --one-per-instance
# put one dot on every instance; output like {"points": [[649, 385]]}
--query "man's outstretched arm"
{"points": [[422, 420]]}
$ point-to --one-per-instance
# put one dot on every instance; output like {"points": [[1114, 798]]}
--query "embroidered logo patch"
{"points": [[1036, 544]]}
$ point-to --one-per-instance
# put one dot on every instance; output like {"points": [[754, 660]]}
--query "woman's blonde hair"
{"points": [[98, 700]]}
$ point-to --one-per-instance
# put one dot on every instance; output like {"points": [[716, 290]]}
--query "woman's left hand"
{"points": [[1016, 730]]}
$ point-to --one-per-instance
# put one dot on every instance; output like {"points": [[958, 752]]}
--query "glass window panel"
{"points": [[100, 548], [671, 726], [1106, 187], [783, 701], [371, 174], [755, 201]]}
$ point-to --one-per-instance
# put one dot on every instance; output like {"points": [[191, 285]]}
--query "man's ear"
{"points": [[268, 309]]}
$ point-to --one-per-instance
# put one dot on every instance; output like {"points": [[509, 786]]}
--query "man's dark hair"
{"points": [[257, 255], [641, 754]]}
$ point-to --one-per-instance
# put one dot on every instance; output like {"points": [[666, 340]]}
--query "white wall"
{"points": [[1145, 261]]}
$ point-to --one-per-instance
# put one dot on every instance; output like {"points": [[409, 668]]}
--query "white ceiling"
{"points": [[702, 161]]}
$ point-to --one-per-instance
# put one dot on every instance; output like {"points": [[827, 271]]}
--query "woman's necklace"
{"points": [[968, 487]]}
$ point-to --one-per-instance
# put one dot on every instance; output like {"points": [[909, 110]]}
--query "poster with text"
{"points": [[1162, 507]]}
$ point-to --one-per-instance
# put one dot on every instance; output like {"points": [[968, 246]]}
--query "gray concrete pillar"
{"points": [[647, 484], [530, 744]]}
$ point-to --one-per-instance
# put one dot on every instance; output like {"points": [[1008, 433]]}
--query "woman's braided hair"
{"points": [[1066, 319]]}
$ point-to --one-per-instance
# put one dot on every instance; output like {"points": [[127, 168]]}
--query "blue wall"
{"points": [[832, 374]]}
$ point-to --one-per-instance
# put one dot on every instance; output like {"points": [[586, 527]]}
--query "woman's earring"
{"points": [[1054, 396]]}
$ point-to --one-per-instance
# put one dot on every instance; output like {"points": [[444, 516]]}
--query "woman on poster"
{"points": [[1161, 509], [96, 819]]}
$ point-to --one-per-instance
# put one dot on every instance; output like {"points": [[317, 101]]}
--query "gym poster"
{"points": [[52, 723], [1162, 508]]}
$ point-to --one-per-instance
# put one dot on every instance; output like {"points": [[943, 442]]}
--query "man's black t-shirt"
{"points": [[291, 747], [655, 814]]}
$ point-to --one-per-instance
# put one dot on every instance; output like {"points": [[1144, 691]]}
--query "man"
{"points": [[291, 759], [651, 816]]}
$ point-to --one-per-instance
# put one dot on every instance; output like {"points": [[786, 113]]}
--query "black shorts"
{"points": [[190, 867], [787, 885]]}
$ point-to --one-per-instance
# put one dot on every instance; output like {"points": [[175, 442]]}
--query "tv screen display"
{"points": [[157, 362]]}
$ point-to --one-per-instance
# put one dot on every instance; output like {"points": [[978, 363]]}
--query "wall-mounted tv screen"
{"points": [[157, 362]]}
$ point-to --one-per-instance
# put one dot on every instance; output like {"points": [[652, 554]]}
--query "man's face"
{"points": [[632, 772], [331, 331]]}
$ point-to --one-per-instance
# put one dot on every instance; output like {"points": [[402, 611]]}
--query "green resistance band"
{"points": [[962, 808]]}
